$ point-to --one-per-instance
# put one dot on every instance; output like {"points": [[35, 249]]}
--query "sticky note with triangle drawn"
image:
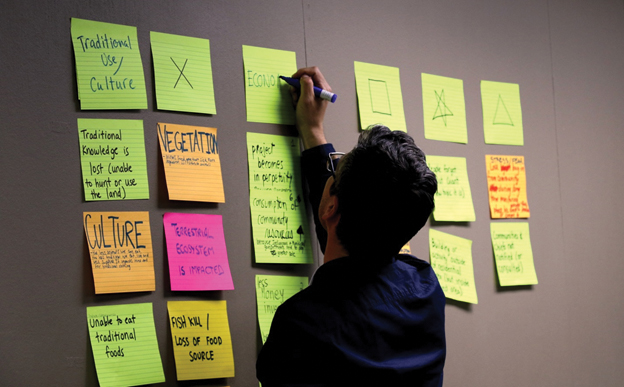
{"points": [[444, 109], [502, 113]]}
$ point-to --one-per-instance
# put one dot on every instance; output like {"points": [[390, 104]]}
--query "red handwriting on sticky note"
{"points": [[507, 186]]}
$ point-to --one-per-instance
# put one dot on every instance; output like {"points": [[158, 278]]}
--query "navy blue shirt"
{"points": [[357, 324]]}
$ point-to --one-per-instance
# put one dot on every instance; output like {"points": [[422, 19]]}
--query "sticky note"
{"points": [[112, 157], [406, 249], [271, 292], [502, 113], [267, 97], [196, 252], [513, 253], [453, 201], [182, 73], [380, 100], [109, 70], [451, 260], [507, 190], [192, 164], [202, 345], [120, 247], [124, 344], [278, 216], [444, 108]]}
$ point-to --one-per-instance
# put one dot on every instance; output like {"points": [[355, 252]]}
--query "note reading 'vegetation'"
{"points": [[182, 73], [196, 251], [109, 70], [192, 165], [278, 216], [502, 113], [507, 188], [120, 246], [124, 344], [112, 157], [444, 108], [202, 345], [268, 97], [513, 253], [453, 201], [451, 259], [380, 100], [271, 292]]}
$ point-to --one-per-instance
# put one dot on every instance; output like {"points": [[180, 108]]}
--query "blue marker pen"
{"points": [[320, 93]]}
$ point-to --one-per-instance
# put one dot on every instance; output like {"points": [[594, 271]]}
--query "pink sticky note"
{"points": [[196, 251]]}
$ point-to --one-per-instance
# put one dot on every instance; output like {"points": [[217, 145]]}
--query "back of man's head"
{"points": [[385, 193]]}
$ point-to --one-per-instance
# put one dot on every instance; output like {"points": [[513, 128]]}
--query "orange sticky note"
{"points": [[507, 186], [192, 165], [120, 246]]}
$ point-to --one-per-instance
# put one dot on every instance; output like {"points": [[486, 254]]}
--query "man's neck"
{"points": [[334, 248]]}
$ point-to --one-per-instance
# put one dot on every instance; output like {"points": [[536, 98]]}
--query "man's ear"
{"points": [[331, 209]]}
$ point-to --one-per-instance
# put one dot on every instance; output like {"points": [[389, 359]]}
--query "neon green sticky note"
{"points": [[502, 113], [278, 216], [512, 250], [267, 97], [182, 73], [271, 292], [380, 100], [124, 344], [444, 108], [202, 344], [453, 201], [112, 156], [109, 70], [451, 260]]}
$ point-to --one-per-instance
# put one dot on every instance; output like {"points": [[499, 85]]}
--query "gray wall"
{"points": [[567, 56]]}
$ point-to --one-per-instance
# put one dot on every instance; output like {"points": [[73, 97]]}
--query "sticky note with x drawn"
{"points": [[182, 73], [502, 113], [444, 109], [380, 100]]}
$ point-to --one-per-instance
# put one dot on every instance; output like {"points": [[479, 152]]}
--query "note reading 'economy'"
{"points": [[271, 292], [124, 344], [278, 216], [197, 253], [444, 108], [120, 246], [502, 113], [507, 188], [512, 250], [453, 200]]}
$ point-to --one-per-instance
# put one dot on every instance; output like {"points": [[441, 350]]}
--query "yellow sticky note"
{"points": [[182, 73], [453, 201], [112, 157], [202, 345], [120, 246], [507, 188], [444, 108], [380, 100], [109, 70], [190, 155], [451, 260], [271, 292], [278, 216], [513, 253], [502, 113], [406, 249], [124, 344], [267, 97]]}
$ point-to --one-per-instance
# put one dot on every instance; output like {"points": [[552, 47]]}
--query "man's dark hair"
{"points": [[385, 193]]}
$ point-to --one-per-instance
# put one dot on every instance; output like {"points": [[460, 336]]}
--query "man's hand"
{"points": [[310, 110]]}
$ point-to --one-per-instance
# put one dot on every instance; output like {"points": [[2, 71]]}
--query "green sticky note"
{"points": [[112, 156], [182, 73], [513, 253], [444, 109], [267, 97], [124, 344], [502, 113], [453, 201], [379, 96], [279, 220], [271, 292], [451, 260], [109, 70]]}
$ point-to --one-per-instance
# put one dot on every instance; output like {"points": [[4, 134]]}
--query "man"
{"points": [[371, 316]]}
